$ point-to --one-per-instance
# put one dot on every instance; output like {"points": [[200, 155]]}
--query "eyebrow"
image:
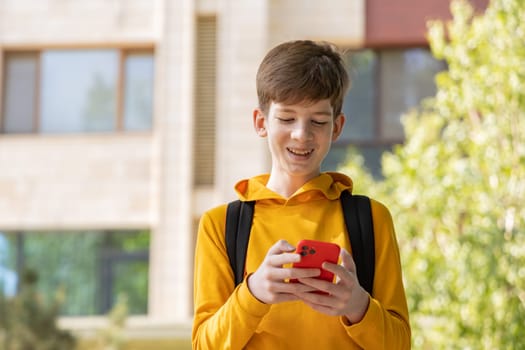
{"points": [[319, 113]]}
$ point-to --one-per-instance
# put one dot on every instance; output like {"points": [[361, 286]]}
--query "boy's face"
{"points": [[299, 136]]}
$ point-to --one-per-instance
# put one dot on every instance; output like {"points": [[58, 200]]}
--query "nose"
{"points": [[302, 131]]}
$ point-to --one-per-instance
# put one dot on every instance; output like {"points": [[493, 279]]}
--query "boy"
{"points": [[300, 86]]}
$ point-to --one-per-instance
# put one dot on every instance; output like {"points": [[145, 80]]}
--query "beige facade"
{"points": [[146, 179]]}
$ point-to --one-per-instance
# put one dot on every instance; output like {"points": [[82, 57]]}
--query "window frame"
{"points": [[106, 261], [378, 140], [123, 51]]}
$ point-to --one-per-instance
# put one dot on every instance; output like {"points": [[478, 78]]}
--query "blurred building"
{"points": [[122, 121]]}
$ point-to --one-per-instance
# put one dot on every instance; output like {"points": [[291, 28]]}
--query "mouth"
{"points": [[300, 152]]}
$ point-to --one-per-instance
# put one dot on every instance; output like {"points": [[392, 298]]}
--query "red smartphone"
{"points": [[314, 254]]}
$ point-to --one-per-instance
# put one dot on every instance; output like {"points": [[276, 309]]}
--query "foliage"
{"points": [[456, 186], [27, 323], [112, 336]]}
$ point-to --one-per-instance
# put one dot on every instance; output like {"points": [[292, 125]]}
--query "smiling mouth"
{"points": [[298, 152]]}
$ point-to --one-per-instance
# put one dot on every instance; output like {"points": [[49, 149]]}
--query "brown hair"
{"points": [[302, 70]]}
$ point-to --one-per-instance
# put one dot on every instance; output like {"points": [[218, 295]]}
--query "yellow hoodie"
{"points": [[229, 317]]}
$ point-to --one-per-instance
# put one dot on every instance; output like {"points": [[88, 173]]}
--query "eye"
{"points": [[319, 122], [285, 119]]}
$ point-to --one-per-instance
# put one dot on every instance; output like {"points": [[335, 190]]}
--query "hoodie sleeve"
{"points": [[386, 323], [225, 317]]}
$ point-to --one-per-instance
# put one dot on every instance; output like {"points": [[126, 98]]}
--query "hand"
{"points": [[268, 283], [345, 298]]}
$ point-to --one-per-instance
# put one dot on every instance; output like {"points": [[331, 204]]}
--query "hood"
{"points": [[328, 185]]}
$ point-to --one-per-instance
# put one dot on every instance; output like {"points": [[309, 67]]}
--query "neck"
{"points": [[287, 185]]}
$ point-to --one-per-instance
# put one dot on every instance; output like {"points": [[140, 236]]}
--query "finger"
{"points": [[296, 273], [283, 259], [332, 302], [347, 261], [296, 288], [318, 284], [279, 297], [344, 272], [316, 298], [289, 292], [347, 264], [333, 268], [320, 301], [281, 274], [282, 291], [279, 247]]}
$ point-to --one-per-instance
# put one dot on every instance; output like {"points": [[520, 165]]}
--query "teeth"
{"points": [[299, 152]]}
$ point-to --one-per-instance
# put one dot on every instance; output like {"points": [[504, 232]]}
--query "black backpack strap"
{"points": [[239, 216], [358, 219]]}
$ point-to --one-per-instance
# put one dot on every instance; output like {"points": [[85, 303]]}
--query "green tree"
{"points": [[456, 187]]}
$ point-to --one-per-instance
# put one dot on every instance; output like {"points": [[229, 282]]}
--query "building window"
{"points": [[76, 91], [93, 268], [385, 84]]}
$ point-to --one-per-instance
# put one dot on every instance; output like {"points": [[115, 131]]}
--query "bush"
{"points": [[26, 323], [457, 184]]}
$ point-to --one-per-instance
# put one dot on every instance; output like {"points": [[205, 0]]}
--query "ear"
{"points": [[339, 123], [259, 123]]}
